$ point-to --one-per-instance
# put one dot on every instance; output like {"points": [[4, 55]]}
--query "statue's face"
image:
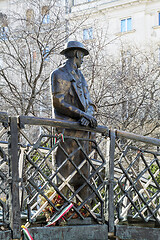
{"points": [[79, 58]]}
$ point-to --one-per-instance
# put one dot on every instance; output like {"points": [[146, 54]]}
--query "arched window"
{"points": [[30, 15], [3, 26], [45, 15]]}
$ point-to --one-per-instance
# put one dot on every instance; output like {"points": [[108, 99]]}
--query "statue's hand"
{"points": [[88, 120], [84, 121]]}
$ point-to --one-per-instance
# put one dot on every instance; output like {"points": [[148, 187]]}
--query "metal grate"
{"points": [[48, 189], [137, 189], [4, 171], [126, 180]]}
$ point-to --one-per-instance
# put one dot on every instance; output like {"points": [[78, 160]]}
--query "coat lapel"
{"points": [[78, 96], [74, 78]]}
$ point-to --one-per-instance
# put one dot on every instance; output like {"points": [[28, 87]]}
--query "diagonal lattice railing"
{"points": [[4, 171], [46, 187], [122, 181], [137, 182]]}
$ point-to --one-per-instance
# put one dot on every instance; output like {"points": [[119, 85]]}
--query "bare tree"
{"points": [[125, 88], [29, 44]]}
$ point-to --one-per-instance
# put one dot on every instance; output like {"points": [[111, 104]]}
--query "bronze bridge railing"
{"points": [[123, 180]]}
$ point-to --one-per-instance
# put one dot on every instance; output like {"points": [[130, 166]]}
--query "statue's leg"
{"points": [[60, 158], [70, 146], [82, 177]]}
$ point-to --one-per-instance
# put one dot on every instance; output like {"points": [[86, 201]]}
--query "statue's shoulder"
{"points": [[58, 72]]}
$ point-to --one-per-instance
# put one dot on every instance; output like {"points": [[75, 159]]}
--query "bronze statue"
{"points": [[71, 101]]}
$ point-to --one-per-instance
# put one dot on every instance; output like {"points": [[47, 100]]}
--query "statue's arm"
{"points": [[60, 89], [64, 108]]}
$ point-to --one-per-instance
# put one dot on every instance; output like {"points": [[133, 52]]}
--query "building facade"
{"points": [[129, 32], [129, 21]]}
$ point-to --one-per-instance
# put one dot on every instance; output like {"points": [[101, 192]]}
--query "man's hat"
{"points": [[74, 45]]}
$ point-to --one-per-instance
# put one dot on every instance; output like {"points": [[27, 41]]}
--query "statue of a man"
{"points": [[71, 102]]}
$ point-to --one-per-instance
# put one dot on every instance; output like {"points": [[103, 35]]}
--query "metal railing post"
{"points": [[111, 185], [14, 205]]}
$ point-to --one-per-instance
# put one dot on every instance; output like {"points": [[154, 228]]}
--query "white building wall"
{"points": [[145, 20], [108, 14]]}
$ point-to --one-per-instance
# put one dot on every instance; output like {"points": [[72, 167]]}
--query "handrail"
{"points": [[138, 137], [76, 126], [60, 124]]}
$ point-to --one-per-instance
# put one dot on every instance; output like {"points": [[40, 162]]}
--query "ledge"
{"points": [[124, 33], [89, 232], [137, 233], [156, 27], [5, 235]]}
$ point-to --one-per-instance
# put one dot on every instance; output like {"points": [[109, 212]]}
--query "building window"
{"points": [[87, 34], [45, 15], [3, 26], [126, 25], [4, 33], [45, 54], [159, 18], [30, 15]]}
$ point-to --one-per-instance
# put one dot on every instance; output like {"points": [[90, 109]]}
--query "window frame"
{"points": [[87, 33], [159, 18], [126, 25], [45, 15], [45, 52], [3, 32], [46, 19], [30, 15]]}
